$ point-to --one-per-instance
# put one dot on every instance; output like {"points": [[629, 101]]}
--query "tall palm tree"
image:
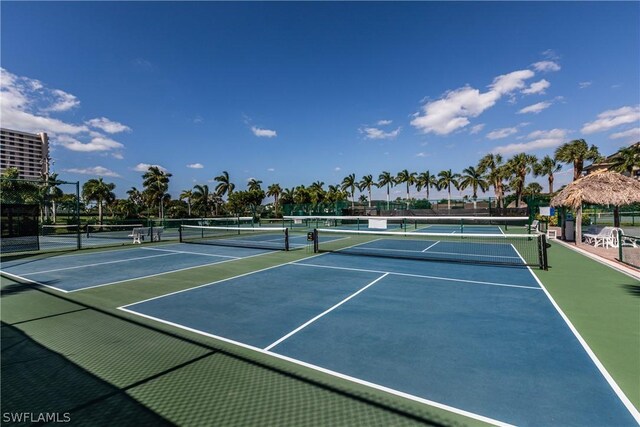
{"points": [[225, 186], [54, 193], [520, 165], [349, 184], [576, 152], [408, 178], [427, 181], [156, 183], [335, 194], [472, 178], [446, 179], [286, 197], [254, 185], [99, 191], [316, 190], [135, 196], [385, 179], [547, 167], [627, 159], [274, 190], [188, 195], [202, 199], [492, 167], [365, 184]]}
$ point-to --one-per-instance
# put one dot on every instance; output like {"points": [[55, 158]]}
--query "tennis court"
{"points": [[484, 341]]}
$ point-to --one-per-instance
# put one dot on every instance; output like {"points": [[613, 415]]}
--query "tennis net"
{"points": [[57, 230], [111, 231], [494, 249], [247, 237]]}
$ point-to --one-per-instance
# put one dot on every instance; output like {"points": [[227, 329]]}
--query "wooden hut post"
{"points": [[616, 216], [579, 224]]}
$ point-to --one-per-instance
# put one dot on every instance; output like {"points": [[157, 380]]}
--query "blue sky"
{"points": [[298, 92]]}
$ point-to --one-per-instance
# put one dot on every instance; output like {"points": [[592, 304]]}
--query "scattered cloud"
{"points": [[198, 119], [144, 167], [62, 101], [501, 133], [195, 166], [537, 87], [95, 171], [535, 108], [613, 118], [633, 133], [476, 129], [422, 154], [584, 85], [546, 66], [384, 122], [108, 126], [263, 133], [97, 143], [118, 156], [270, 170], [337, 169], [536, 140], [375, 133], [452, 110]]}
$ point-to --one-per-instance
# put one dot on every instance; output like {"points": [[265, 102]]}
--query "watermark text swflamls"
{"points": [[36, 417]]}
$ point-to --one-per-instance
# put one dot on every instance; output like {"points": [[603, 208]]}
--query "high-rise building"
{"points": [[28, 152]]}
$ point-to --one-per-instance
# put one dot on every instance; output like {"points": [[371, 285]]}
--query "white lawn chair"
{"points": [[607, 237], [534, 226]]}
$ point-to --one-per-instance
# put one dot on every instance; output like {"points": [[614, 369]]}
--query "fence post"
{"points": [[619, 231]]}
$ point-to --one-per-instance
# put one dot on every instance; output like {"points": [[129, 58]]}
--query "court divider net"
{"points": [[493, 249], [276, 238]]}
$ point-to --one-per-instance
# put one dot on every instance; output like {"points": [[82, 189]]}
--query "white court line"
{"points": [[612, 383], [190, 253], [327, 311], [429, 247], [448, 279], [166, 272], [432, 252], [97, 263], [35, 282], [328, 371]]}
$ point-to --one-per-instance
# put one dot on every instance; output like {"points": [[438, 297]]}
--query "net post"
{"points": [[180, 233], [315, 241], [619, 231], [78, 237], [542, 243], [286, 239]]}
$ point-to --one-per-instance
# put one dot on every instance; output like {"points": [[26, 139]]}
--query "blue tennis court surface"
{"points": [[79, 271], [484, 341]]}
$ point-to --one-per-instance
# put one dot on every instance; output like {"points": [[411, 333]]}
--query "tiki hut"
{"points": [[599, 188]]}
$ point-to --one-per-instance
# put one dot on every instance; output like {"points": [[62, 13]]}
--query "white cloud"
{"points": [[375, 133], [338, 169], [95, 170], [501, 133], [537, 140], [422, 154], [195, 166], [62, 101], [613, 118], [476, 129], [97, 143], [271, 170], [451, 112], [198, 119], [535, 108], [263, 133], [384, 122], [144, 167], [545, 66], [633, 133], [584, 85], [537, 87], [118, 156], [108, 126]]}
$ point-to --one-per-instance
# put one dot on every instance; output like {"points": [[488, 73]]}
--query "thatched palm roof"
{"points": [[600, 188]]}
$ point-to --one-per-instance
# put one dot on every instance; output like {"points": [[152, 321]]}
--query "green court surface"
{"points": [[77, 353]]}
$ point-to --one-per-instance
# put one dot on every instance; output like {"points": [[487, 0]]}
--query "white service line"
{"points": [[426, 249], [304, 325], [97, 263], [191, 253]]}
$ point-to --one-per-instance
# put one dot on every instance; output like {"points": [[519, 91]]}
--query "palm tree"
{"points": [[254, 185], [286, 197], [408, 178], [54, 193], [385, 179], [474, 179], [274, 190], [335, 194], [317, 192], [365, 184], [426, 180], [547, 166], [99, 191], [349, 184], [627, 159], [447, 179], [491, 166], [187, 194], [532, 189], [576, 152], [225, 186], [135, 196], [520, 165], [156, 183], [202, 199]]}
